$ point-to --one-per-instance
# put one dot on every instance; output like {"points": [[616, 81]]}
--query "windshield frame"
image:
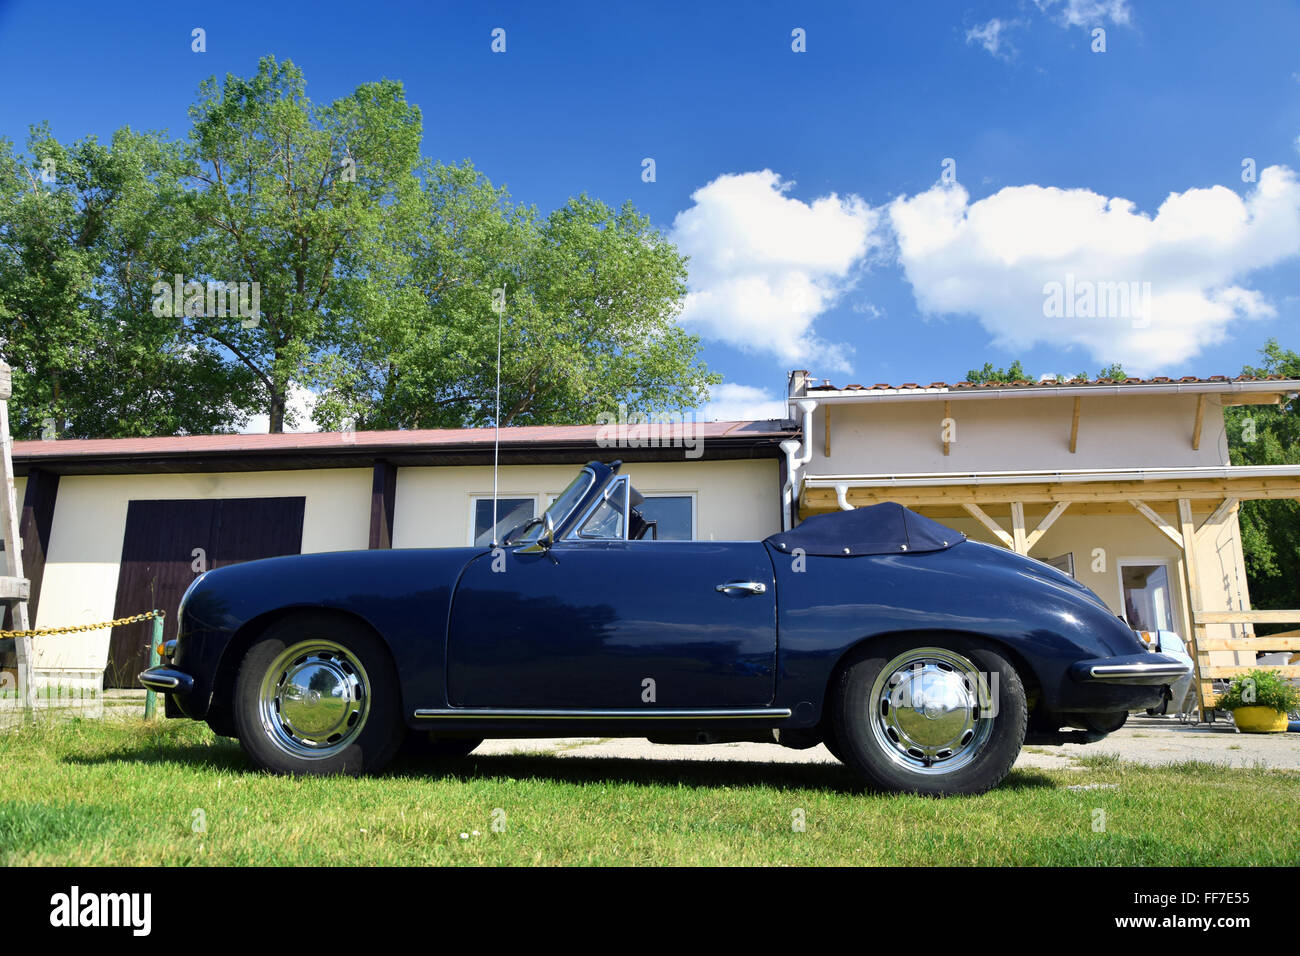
{"points": [[584, 480]]}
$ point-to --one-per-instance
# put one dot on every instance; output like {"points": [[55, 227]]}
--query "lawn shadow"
{"points": [[221, 755], [226, 755]]}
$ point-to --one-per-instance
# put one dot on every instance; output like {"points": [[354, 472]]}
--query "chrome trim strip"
{"points": [[1123, 671], [489, 713]]}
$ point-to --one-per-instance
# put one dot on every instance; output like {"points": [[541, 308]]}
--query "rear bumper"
{"points": [[1141, 669]]}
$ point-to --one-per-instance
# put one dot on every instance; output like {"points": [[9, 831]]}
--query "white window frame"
{"points": [[1171, 574], [475, 497]]}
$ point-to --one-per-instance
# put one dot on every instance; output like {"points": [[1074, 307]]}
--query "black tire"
{"points": [[831, 744], [873, 736], [426, 745], [349, 670]]}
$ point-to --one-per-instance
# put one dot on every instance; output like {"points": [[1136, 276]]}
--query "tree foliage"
{"points": [[82, 228], [1270, 529]]}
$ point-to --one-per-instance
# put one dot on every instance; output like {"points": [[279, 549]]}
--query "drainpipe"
{"points": [[842, 497], [796, 456]]}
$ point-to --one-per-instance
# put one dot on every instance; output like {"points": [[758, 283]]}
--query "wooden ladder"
{"points": [[14, 588]]}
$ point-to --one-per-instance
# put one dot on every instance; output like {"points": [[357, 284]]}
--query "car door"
{"points": [[615, 624]]}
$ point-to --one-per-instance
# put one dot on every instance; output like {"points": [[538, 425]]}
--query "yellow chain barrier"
{"points": [[80, 628]]}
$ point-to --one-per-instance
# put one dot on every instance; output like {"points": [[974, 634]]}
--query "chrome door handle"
{"points": [[753, 587]]}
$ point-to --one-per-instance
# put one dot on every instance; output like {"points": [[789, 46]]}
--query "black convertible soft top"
{"points": [[886, 528]]}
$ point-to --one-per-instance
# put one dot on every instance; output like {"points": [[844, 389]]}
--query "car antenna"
{"points": [[496, 418]]}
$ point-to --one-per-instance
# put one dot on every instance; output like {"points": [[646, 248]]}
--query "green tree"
{"points": [[82, 231], [590, 297], [293, 196], [1270, 529], [1016, 373]]}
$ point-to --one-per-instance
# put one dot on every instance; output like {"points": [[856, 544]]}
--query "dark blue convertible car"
{"points": [[922, 660]]}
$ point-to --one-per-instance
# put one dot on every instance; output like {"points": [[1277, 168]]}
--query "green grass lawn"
{"points": [[169, 792]]}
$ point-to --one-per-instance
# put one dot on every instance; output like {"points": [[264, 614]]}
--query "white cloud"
{"points": [[995, 258], [1087, 13], [764, 266], [301, 402], [740, 403], [992, 37]]}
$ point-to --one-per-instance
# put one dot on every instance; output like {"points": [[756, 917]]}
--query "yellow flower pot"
{"points": [[1260, 720]]}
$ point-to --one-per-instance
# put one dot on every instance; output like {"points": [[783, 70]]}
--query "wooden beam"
{"points": [[947, 415], [383, 499], [827, 430], [982, 517], [1200, 422], [13, 553], [1281, 671], [1253, 398], [1018, 535], [1074, 426], [14, 589], [1200, 657], [1267, 644], [1043, 526], [1048, 492], [1248, 617], [6, 382], [1155, 518], [1219, 516]]}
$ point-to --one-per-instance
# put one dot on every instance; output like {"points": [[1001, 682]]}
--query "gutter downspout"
{"points": [[797, 454]]}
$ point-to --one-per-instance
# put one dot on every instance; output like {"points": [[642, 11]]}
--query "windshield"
{"points": [[563, 505]]}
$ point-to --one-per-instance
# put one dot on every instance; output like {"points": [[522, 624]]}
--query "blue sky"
{"points": [[807, 185]]}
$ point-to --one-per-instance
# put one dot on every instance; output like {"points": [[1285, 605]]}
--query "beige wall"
{"points": [[734, 500], [1025, 434], [80, 585]]}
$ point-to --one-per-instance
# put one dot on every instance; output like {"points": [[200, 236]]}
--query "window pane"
{"points": [[607, 520], [1147, 601], [510, 513], [673, 512]]}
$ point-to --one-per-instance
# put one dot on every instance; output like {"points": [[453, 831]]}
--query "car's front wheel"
{"points": [[942, 716], [318, 694]]}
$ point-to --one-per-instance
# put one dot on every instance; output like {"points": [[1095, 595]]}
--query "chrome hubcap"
{"points": [[932, 710], [314, 699]]}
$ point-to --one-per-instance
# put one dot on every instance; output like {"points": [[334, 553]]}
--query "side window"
{"points": [[606, 522], [673, 515], [511, 512]]}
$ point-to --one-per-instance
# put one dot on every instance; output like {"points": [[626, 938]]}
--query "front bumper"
{"points": [[168, 680], [1142, 669]]}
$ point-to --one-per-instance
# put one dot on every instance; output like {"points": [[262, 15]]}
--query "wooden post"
{"points": [[1200, 657], [150, 697], [13, 550], [1019, 539]]}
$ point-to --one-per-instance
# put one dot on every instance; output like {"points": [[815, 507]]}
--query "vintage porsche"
{"points": [[922, 660]]}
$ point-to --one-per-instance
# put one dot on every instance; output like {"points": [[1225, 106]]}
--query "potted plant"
{"points": [[1259, 702]]}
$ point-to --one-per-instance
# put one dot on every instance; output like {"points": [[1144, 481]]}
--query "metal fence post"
{"points": [[151, 698]]}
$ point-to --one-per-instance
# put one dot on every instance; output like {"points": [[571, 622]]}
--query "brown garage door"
{"points": [[158, 560]]}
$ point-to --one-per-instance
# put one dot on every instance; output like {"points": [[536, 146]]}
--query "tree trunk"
{"points": [[277, 411]]}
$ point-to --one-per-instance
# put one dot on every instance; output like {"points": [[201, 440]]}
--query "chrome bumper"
{"points": [[167, 679], [1132, 670]]}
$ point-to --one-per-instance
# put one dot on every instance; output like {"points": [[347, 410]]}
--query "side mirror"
{"points": [[545, 538]]}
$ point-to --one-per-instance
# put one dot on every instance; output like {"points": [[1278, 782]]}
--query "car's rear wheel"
{"points": [[940, 716], [318, 694]]}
